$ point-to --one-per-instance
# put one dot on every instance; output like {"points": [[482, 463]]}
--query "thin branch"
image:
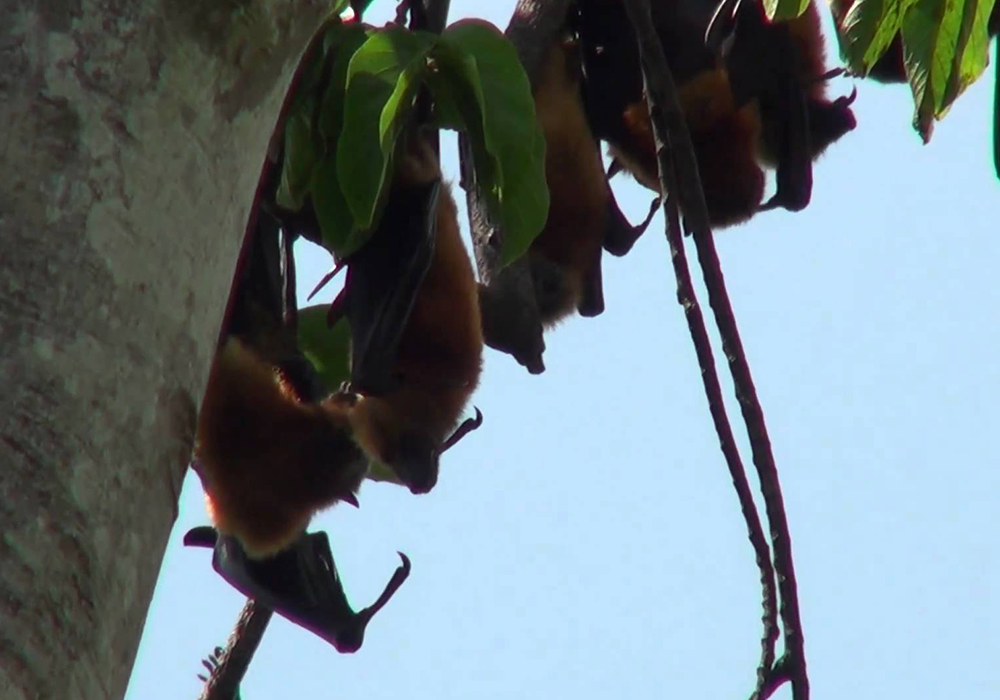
{"points": [[234, 661], [678, 170]]}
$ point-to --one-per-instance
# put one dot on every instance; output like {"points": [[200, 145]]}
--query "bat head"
{"points": [[416, 462]]}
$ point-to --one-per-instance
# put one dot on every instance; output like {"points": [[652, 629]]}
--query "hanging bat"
{"points": [[748, 98], [411, 300]]}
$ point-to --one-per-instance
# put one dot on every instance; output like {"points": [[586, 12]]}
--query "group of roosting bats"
{"points": [[274, 447]]}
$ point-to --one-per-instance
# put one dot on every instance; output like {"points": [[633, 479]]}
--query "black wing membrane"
{"points": [[300, 583], [383, 278], [754, 43]]}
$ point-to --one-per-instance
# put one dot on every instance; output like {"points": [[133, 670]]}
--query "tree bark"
{"points": [[132, 133]]}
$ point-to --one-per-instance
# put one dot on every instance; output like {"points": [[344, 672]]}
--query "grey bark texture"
{"points": [[132, 133]]}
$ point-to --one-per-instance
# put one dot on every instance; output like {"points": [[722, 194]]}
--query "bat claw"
{"points": [[829, 75], [351, 499], [326, 279], [467, 426], [847, 100]]}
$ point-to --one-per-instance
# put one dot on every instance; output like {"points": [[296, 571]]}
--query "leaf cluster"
{"points": [[945, 47], [360, 91]]}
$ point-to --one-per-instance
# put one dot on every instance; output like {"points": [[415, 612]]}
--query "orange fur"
{"points": [[440, 352], [569, 246], [737, 109], [267, 461], [725, 142]]}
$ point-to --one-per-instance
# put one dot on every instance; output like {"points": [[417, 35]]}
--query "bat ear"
{"points": [[416, 463]]}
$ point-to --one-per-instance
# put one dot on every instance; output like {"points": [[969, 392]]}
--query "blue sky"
{"points": [[586, 541]]}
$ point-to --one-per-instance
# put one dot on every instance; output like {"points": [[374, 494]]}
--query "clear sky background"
{"points": [[586, 542]]}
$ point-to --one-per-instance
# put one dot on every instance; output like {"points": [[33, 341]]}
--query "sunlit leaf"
{"points": [[381, 82], [869, 28], [945, 49], [300, 155], [509, 131], [782, 10]]}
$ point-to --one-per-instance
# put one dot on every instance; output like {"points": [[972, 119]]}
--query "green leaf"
{"points": [[382, 80], [334, 216], [459, 104], [299, 155], [328, 349], [343, 44], [945, 49], [784, 10], [303, 146], [506, 137], [869, 27]]}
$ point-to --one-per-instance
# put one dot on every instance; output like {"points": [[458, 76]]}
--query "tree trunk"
{"points": [[132, 133]]}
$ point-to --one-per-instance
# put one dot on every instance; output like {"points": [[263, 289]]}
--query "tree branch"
{"points": [[224, 683], [679, 176]]}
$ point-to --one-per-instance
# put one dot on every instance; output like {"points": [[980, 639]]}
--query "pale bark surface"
{"points": [[131, 136]]}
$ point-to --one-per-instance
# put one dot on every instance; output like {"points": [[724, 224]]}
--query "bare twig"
{"points": [[234, 661], [679, 176]]}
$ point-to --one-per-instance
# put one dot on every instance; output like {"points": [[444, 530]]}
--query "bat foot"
{"points": [[622, 235], [350, 638], [846, 100], [467, 426], [783, 201], [300, 583]]}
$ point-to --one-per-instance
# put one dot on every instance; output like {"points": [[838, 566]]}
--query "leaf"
{"points": [[381, 82], [328, 349], [506, 136], [344, 43], [303, 147], [784, 10], [945, 49], [299, 156], [869, 28], [458, 104], [334, 216]]}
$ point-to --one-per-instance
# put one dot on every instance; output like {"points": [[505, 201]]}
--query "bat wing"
{"points": [[794, 177], [383, 278], [761, 66], [300, 583]]}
